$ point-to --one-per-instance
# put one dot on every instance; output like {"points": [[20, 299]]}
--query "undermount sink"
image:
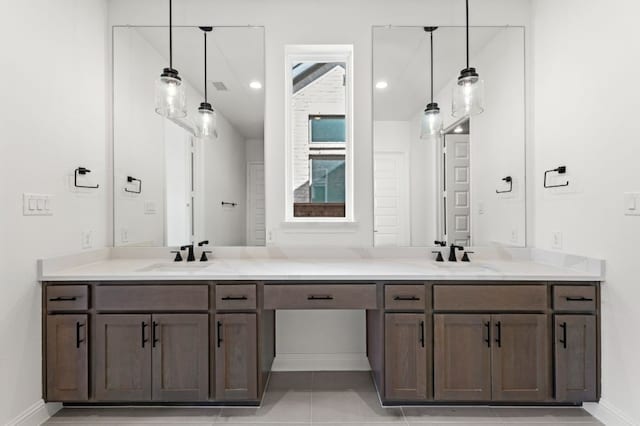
{"points": [[174, 267], [465, 266]]}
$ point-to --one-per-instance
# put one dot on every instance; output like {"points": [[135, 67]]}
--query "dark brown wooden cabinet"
{"points": [[123, 357], [520, 364], [160, 357], [407, 345], [575, 356], [462, 357], [491, 357], [180, 357], [236, 347], [67, 358]]}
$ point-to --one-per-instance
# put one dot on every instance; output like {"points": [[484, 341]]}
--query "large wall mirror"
{"points": [[467, 186], [170, 187]]}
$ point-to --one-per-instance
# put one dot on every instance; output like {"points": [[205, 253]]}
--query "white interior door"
{"points": [[178, 185], [391, 199], [457, 190], [255, 205]]}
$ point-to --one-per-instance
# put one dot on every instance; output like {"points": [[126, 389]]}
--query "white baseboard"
{"points": [[36, 414], [321, 362], [608, 414]]}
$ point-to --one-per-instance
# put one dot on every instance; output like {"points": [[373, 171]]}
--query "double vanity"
{"points": [[128, 326]]}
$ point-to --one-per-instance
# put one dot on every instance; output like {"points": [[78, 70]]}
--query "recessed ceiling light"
{"points": [[458, 129], [382, 85], [255, 85]]}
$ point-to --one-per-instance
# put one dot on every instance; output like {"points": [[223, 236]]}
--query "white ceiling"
{"points": [[401, 58], [235, 56]]}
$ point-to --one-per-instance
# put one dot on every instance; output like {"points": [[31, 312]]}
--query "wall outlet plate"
{"points": [[556, 240], [87, 239], [632, 203]]}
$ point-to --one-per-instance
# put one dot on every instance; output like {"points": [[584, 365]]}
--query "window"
{"points": [[319, 136]]}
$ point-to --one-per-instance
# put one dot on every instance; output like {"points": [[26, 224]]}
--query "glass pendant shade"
{"points": [[468, 94], [205, 121], [431, 122], [170, 95]]}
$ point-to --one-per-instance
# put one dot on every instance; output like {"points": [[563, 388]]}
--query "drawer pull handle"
{"points": [[219, 333], [320, 298], [154, 339], [422, 334], [488, 339], [144, 338], [78, 340], [563, 326], [499, 334], [63, 299], [407, 298], [235, 298], [578, 299]]}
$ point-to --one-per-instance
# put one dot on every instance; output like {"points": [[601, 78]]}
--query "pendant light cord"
{"points": [[170, 37], [205, 66], [431, 35], [467, 14]]}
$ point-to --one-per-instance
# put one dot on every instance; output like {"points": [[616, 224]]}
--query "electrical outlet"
{"points": [[87, 239], [556, 240], [124, 235], [514, 235], [632, 204], [480, 207]]}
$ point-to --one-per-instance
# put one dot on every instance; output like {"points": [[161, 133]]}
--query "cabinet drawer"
{"points": [[152, 298], [320, 296], [405, 297], [574, 298], [235, 296], [67, 298], [493, 298]]}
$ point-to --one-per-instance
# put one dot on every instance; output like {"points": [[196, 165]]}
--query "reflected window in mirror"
{"points": [[318, 148]]}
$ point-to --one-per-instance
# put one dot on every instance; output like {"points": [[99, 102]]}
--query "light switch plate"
{"points": [[37, 204], [149, 207], [632, 203]]}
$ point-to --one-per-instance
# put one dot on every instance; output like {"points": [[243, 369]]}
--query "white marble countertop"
{"points": [[320, 264]]}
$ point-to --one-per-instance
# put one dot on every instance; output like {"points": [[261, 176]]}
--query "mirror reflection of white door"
{"points": [[391, 199], [178, 185], [255, 204], [457, 190]]}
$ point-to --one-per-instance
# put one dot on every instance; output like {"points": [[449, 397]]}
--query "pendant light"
{"points": [[170, 93], [468, 94], [205, 121], [431, 122]]}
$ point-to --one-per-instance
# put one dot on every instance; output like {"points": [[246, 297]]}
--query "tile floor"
{"points": [[337, 398]]}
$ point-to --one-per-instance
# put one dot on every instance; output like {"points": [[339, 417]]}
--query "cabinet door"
{"points": [[180, 347], [407, 343], [123, 358], [236, 357], [67, 355], [575, 353], [520, 357], [462, 357]]}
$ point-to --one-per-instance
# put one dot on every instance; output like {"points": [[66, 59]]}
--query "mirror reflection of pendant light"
{"points": [[431, 122], [205, 121], [468, 94], [170, 94]]}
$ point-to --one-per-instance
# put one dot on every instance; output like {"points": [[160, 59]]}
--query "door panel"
{"points": [[458, 178], [462, 357], [236, 357], [575, 354], [123, 357], [391, 201], [180, 357], [67, 358], [407, 344], [520, 357]]}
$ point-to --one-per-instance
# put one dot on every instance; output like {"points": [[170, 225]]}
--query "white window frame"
{"points": [[319, 53]]}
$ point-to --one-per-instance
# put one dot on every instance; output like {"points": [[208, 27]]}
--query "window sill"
{"points": [[311, 225]]}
